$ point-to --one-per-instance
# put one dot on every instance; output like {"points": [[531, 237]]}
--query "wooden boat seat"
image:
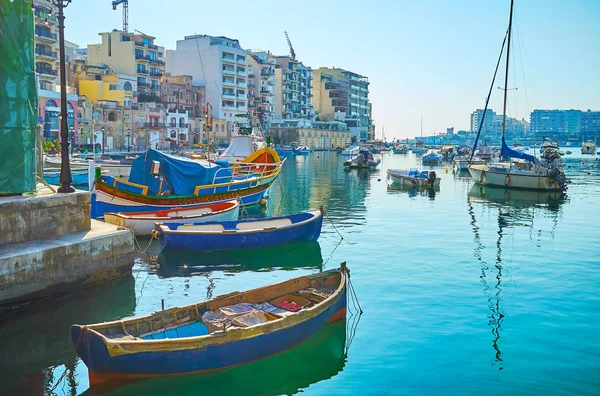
{"points": [[201, 227], [176, 213], [258, 225]]}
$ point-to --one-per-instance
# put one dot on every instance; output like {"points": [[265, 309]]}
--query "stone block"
{"points": [[29, 218], [50, 266]]}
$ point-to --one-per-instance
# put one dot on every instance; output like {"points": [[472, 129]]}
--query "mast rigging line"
{"points": [[487, 101]]}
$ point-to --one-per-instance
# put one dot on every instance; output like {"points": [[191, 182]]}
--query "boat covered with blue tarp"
{"points": [[180, 175]]}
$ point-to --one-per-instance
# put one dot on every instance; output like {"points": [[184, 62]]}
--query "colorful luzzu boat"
{"points": [[160, 181], [228, 331], [241, 234]]}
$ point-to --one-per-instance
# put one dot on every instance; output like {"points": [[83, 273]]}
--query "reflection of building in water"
{"points": [[514, 208], [319, 179]]}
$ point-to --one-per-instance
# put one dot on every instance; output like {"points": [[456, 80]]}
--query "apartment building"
{"points": [[131, 54], [219, 64], [343, 95], [261, 85], [293, 89], [179, 93], [571, 125], [46, 45]]}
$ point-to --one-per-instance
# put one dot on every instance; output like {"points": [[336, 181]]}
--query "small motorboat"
{"points": [[402, 149], [302, 150], [432, 158], [241, 234], [351, 151], [142, 223], [227, 331], [285, 150], [363, 160], [414, 178]]}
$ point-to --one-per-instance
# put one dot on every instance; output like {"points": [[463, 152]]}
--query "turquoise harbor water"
{"points": [[464, 290]]}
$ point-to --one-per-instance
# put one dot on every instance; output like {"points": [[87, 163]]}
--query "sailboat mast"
{"points": [[506, 75]]}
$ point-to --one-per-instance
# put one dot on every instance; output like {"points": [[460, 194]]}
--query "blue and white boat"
{"points": [[227, 331], [302, 150], [285, 150], [432, 158], [414, 178], [241, 234], [351, 151]]}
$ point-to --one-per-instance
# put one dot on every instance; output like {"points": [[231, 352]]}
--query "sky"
{"points": [[428, 58]]}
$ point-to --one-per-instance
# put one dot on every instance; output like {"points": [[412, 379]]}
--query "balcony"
{"points": [[227, 94], [46, 54], [142, 58], [43, 16], [229, 71], [229, 82], [139, 44], [46, 72], [156, 62], [155, 74], [241, 72], [45, 36]]}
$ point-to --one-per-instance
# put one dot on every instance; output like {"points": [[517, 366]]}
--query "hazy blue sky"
{"points": [[426, 57]]}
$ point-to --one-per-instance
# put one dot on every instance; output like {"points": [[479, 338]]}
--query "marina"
{"points": [[491, 296], [181, 214]]}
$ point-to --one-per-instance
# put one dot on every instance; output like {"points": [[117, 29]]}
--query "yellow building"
{"points": [[104, 90]]}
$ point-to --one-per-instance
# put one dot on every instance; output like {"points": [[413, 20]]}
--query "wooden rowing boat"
{"points": [[185, 340], [241, 234], [142, 223]]}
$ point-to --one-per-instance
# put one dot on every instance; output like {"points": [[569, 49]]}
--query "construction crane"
{"points": [[290, 44], [125, 3]]}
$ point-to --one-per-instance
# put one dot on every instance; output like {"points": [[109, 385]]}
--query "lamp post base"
{"points": [[66, 188]]}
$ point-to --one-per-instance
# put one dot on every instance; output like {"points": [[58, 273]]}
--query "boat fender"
{"points": [[154, 234], [482, 178], [431, 177], [507, 180]]}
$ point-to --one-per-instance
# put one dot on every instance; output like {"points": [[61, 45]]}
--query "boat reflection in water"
{"points": [[36, 347], [319, 358], [285, 257], [424, 191], [515, 208]]}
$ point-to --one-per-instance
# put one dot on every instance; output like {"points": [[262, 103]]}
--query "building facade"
{"points": [[131, 54], [314, 134], [49, 112], [46, 45], [293, 88], [342, 95], [261, 86], [217, 63], [179, 93]]}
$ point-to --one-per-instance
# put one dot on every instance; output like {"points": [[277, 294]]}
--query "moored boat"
{"points": [[230, 330], [461, 163], [159, 181], [302, 150], [241, 234], [363, 160], [401, 149], [142, 223], [432, 158], [413, 177], [351, 151], [588, 147]]}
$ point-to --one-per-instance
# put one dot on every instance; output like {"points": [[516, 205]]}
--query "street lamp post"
{"points": [[128, 139], [65, 168], [103, 139], [148, 139]]}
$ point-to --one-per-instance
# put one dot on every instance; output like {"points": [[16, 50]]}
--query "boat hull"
{"points": [[143, 225], [233, 239], [112, 360], [511, 178]]}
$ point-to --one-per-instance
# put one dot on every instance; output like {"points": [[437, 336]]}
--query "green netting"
{"points": [[18, 98]]}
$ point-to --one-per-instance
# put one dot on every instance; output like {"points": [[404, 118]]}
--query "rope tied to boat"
{"points": [[352, 296], [330, 221], [136, 243]]}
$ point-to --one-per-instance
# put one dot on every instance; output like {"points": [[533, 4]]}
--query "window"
{"points": [[141, 119], [127, 86], [51, 103], [112, 116], [222, 128], [127, 118], [181, 122], [97, 116], [173, 121], [112, 87]]}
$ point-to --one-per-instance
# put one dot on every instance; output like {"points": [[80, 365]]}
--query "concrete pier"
{"points": [[49, 246]]}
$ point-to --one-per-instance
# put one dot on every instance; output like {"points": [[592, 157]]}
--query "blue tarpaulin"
{"points": [[180, 175], [507, 152]]}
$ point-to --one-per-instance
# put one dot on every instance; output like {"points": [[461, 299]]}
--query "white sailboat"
{"points": [[520, 171], [588, 147]]}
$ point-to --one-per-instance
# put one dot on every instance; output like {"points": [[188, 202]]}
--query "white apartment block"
{"points": [[293, 85], [217, 63], [261, 85]]}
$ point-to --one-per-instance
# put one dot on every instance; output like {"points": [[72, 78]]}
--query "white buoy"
{"points": [[262, 202]]}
